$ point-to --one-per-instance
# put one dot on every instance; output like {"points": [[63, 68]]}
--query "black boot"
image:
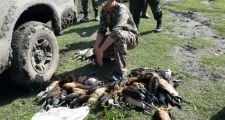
{"points": [[96, 16], [159, 26], [85, 19], [145, 15]]}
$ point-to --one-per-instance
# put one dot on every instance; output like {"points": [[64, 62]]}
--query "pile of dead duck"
{"points": [[145, 88]]}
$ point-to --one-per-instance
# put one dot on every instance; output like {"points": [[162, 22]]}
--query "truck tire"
{"points": [[35, 54], [68, 18]]}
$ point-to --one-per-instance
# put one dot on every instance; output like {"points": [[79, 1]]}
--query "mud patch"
{"points": [[189, 59], [207, 2], [170, 2], [8, 20], [192, 25]]}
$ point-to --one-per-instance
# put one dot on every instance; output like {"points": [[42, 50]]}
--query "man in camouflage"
{"points": [[85, 9], [136, 6], [123, 35]]}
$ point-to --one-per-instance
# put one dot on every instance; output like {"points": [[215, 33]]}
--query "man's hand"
{"points": [[100, 50]]}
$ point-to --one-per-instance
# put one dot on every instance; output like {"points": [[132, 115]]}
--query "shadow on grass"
{"points": [[219, 116], [75, 46], [9, 91], [147, 32], [97, 110], [93, 71], [84, 31]]}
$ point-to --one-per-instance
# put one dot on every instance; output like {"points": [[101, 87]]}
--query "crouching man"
{"points": [[123, 35]]}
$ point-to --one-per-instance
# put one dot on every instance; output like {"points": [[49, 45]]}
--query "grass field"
{"points": [[205, 89]]}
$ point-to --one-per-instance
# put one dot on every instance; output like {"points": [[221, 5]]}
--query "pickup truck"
{"points": [[28, 46]]}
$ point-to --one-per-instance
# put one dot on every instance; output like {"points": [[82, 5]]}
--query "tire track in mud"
{"points": [[169, 2], [191, 24]]}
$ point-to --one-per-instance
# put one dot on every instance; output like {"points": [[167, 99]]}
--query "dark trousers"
{"points": [[85, 7], [136, 6], [144, 10], [120, 1]]}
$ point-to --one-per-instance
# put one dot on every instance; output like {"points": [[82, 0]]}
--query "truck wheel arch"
{"points": [[41, 13]]}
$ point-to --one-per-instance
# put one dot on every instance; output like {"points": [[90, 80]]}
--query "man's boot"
{"points": [[145, 15], [159, 26], [85, 19], [96, 16]]}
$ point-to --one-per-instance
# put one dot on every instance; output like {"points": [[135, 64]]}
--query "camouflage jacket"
{"points": [[118, 19]]}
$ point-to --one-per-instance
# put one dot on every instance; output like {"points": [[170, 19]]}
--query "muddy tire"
{"points": [[35, 54], [68, 18]]}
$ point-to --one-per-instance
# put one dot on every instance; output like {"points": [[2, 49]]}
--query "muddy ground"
{"points": [[185, 25], [192, 24]]}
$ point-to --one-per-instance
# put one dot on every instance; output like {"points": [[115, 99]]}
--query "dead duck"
{"points": [[162, 114], [97, 94], [79, 101], [133, 92], [137, 103]]}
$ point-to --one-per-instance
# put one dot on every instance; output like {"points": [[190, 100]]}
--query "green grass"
{"points": [[199, 43], [107, 113], [16, 103], [195, 5], [206, 98], [156, 50], [214, 63], [216, 14], [20, 109], [75, 38]]}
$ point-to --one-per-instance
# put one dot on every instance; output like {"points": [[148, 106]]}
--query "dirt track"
{"points": [[190, 24]]}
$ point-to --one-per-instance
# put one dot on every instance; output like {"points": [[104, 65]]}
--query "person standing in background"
{"points": [[136, 6], [85, 9], [144, 13]]}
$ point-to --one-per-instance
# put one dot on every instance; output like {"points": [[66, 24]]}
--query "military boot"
{"points": [[96, 16], [159, 26], [85, 19], [145, 15]]}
